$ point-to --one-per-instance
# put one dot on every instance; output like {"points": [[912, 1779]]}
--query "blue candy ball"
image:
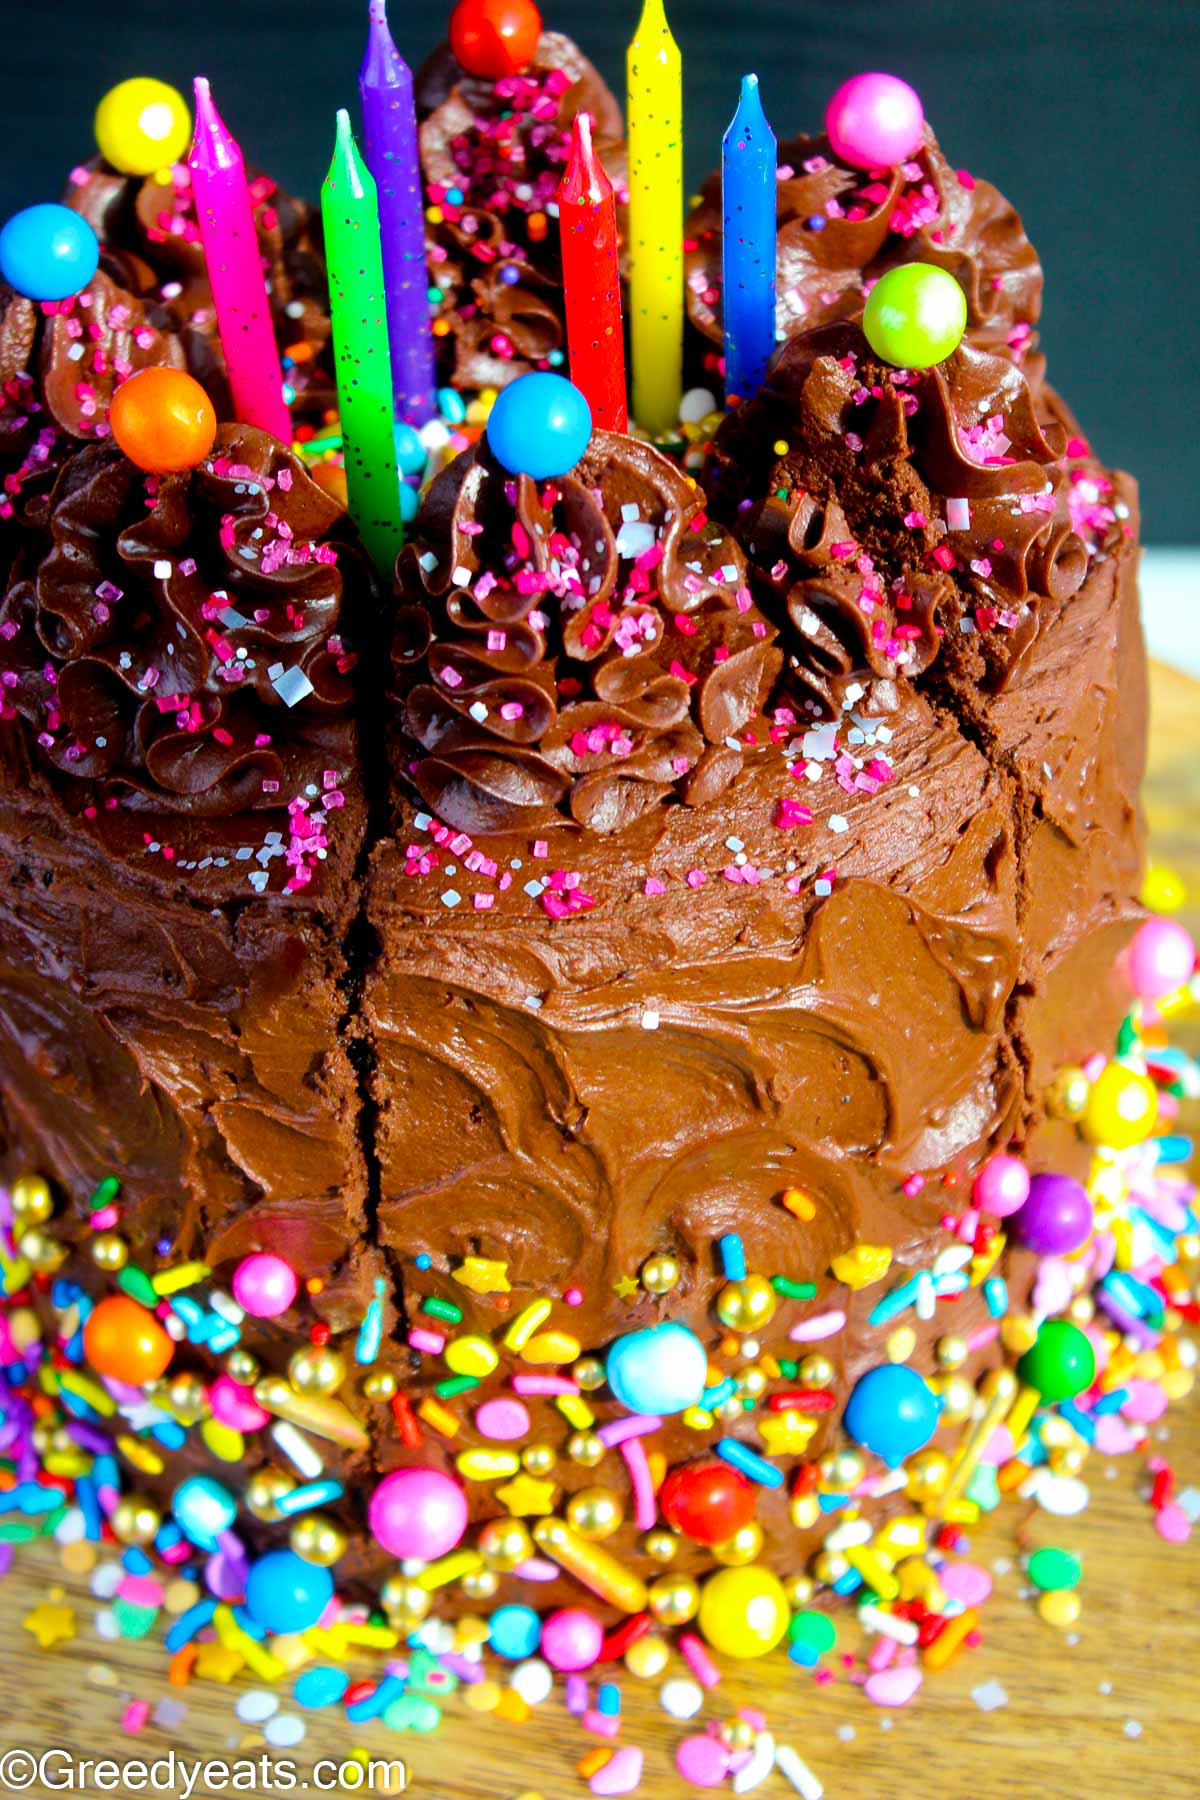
{"points": [[410, 451], [514, 1632], [892, 1412], [662, 1369], [320, 1687], [48, 252], [285, 1593], [410, 500], [204, 1509], [540, 426]]}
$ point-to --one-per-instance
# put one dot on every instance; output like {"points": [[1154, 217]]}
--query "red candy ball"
{"points": [[495, 37], [707, 1501]]}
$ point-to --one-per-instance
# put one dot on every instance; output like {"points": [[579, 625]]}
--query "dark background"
{"points": [[1085, 114]]}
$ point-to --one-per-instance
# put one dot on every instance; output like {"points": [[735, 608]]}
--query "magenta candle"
{"points": [[225, 216], [385, 90]]}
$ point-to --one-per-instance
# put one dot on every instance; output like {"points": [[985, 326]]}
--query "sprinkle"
{"points": [[756, 1468]]}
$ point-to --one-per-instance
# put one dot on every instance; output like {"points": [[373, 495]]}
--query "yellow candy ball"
{"points": [[1060, 1608], [1162, 890], [317, 1539], [743, 1547], [647, 1658], [1067, 1094], [32, 1202], [743, 1612], [748, 1304], [316, 1370], [661, 1546], [1122, 1108], [142, 126], [674, 1599], [595, 1512], [505, 1543]]}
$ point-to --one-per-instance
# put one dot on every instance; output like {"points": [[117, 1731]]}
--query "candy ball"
{"points": [[203, 1509], [495, 38], [1161, 958], [264, 1285], [743, 1612], [418, 1512], [286, 1594], [915, 316], [125, 1342], [892, 1412], [661, 1369], [142, 125], [1122, 1108], [540, 426], [48, 252], [709, 1502], [1061, 1362], [1057, 1216], [514, 1632], [874, 121], [163, 420], [1001, 1186], [571, 1639]]}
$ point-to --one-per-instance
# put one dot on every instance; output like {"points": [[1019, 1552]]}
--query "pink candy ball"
{"points": [[264, 1285], [1160, 959], [418, 1512], [874, 121], [571, 1639], [235, 1405], [1001, 1186]]}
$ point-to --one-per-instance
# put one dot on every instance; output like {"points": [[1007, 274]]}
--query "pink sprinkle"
{"points": [[958, 514], [654, 885], [915, 520], [645, 1506], [821, 1325], [696, 1656], [430, 1343], [133, 1719]]}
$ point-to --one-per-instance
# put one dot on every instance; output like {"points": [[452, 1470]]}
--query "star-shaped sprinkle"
{"points": [[626, 1288], [215, 1662], [525, 1495], [50, 1625], [860, 1266], [483, 1276], [786, 1433]]}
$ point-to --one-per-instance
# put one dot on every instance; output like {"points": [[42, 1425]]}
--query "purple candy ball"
{"points": [[1056, 1218]]}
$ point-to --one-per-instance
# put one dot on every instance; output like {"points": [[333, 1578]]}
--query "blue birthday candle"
{"points": [[748, 184]]}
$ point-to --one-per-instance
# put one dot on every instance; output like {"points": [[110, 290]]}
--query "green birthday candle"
{"points": [[358, 308]]}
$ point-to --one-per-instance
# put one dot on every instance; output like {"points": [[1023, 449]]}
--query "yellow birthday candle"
{"points": [[654, 77]]}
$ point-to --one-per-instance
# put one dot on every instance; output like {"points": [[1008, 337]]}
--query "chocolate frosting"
{"points": [[181, 636], [150, 243], [585, 648], [494, 256], [924, 211], [885, 509]]}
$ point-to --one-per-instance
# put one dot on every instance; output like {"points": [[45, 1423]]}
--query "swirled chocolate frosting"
{"points": [[179, 646], [840, 229], [582, 648], [492, 156], [892, 513], [150, 243]]}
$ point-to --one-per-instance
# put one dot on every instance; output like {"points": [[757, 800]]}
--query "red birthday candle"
{"points": [[587, 216], [235, 272]]}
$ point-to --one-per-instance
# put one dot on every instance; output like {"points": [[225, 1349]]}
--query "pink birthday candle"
{"points": [[235, 272]]}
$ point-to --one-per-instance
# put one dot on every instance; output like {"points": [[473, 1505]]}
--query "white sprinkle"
{"points": [[681, 1698], [837, 822], [650, 1019], [532, 1680], [989, 1696], [904, 1631], [257, 1706], [1132, 1729], [450, 897], [1189, 1503], [292, 685], [797, 1772], [162, 569], [823, 888], [635, 537], [461, 576], [478, 711], [696, 404], [285, 1730], [762, 1761], [297, 1449]]}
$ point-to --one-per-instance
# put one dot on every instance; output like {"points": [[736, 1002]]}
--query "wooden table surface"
{"points": [[1111, 1710]]}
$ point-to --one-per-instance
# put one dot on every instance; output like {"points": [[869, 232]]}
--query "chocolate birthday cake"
{"points": [[569, 1073]]}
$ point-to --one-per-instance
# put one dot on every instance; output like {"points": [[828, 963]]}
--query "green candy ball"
{"points": [[1061, 1362], [915, 316]]}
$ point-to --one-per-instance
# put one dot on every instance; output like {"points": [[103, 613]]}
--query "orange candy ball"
{"points": [[494, 38], [163, 421], [125, 1342]]}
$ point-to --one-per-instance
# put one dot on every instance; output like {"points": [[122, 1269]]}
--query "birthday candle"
{"points": [[235, 272], [748, 187], [587, 220], [385, 88], [360, 342], [654, 83]]}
